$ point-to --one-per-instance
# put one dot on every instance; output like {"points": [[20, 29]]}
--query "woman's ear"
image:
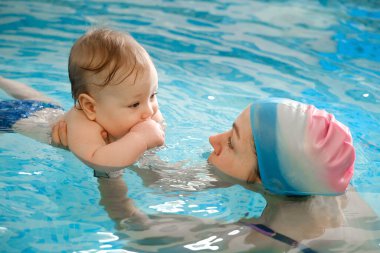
{"points": [[87, 104]]}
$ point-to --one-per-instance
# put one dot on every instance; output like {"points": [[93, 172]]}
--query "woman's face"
{"points": [[234, 152]]}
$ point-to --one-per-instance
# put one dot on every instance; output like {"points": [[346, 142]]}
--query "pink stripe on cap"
{"points": [[331, 146]]}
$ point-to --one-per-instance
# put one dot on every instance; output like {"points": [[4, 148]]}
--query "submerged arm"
{"points": [[114, 198]]}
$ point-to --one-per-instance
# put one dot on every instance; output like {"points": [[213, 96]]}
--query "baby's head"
{"points": [[103, 57], [296, 149], [113, 80]]}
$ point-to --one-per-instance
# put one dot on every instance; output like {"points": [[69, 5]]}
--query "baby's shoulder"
{"points": [[76, 119], [75, 114]]}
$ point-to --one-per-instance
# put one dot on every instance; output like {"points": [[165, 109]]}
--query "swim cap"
{"points": [[301, 150]]}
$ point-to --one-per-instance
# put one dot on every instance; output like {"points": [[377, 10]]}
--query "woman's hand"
{"points": [[59, 135]]}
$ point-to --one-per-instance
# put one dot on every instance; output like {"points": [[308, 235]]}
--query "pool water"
{"points": [[213, 58]]}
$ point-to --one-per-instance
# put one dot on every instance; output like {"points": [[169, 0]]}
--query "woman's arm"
{"points": [[114, 198]]}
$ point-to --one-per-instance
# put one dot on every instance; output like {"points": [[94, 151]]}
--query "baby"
{"points": [[115, 117], [114, 85]]}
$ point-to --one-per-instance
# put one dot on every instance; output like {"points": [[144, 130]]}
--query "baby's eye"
{"points": [[153, 95], [134, 105], [229, 142]]}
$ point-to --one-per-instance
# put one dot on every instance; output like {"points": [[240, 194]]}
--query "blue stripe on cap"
{"points": [[263, 115]]}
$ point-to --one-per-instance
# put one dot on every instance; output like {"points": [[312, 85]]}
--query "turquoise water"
{"points": [[213, 58]]}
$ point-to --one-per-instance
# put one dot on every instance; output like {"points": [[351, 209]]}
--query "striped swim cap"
{"points": [[301, 150]]}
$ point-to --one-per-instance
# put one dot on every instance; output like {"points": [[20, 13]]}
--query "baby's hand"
{"points": [[151, 131]]}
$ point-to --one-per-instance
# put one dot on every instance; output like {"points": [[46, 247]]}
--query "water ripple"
{"points": [[213, 58]]}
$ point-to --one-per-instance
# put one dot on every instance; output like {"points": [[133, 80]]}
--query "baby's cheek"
{"points": [[133, 122], [129, 121], [155, 107]]}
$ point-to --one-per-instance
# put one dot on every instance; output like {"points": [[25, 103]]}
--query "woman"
{"points": [[290, 147]]}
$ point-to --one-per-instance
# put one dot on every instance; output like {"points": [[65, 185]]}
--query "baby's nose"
{"points": [[148, 112]]}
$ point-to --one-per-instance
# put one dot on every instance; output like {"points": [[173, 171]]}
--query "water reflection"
{"points": [[306, 224], [213, 59]]}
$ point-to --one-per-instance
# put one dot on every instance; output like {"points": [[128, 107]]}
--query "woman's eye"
{"points": [[229, 142], [134, 105]]}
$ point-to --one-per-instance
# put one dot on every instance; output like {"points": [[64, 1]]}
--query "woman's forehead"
{"points": [[242, 122]]}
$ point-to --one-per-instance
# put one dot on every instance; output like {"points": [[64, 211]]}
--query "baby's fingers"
{"points": [[105, 135]]}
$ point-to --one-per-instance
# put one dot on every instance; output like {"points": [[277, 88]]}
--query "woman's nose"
{"points": [[215, 143]]}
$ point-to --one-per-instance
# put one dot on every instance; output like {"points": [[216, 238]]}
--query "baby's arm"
{"points": [[84, 138], [59, 130]]}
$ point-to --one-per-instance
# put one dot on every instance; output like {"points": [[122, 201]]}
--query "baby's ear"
{"points": [[87, 104]]}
